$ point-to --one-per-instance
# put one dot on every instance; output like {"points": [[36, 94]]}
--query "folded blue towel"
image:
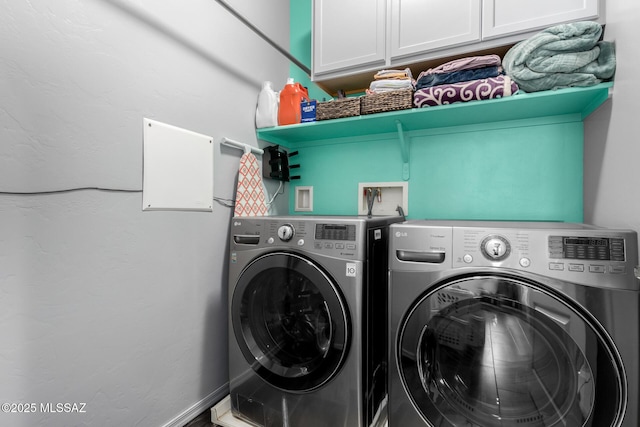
{"points": [[562, 56], [437, 79]]}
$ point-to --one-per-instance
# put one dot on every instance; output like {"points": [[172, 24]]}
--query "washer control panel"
{"points": [[342, 232], [343, 238]]}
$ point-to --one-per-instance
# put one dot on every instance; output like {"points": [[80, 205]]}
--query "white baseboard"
{"points": [[199, 407]]}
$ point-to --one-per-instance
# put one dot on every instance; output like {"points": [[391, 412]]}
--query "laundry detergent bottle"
{"points": [[267, 108], [289, 111]]}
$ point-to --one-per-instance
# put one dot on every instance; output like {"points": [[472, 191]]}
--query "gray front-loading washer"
{"points": [[525, 324], [307, 320]]}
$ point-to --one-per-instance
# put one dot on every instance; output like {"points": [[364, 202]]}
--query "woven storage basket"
{"points": [[345, 107], [386, 101]]}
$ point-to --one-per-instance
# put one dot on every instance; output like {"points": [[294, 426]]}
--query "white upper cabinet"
{"points": [[505, 17], [418, 26], [348, 34], [354, 38]]}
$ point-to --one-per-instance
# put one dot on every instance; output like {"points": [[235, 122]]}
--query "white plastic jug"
{"points": [[267, 108]]}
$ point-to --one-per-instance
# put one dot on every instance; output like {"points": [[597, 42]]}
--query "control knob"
{"points": [[286, 232], [495, 248]]}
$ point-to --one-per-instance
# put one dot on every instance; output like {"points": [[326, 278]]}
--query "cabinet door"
{"points": [[348, 33], [419, 26], [504, 17]]}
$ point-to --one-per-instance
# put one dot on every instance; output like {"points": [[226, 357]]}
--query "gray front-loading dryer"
{"points": [[525, 324], [307, 320]]}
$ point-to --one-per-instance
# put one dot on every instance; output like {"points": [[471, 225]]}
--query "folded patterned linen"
{"points": [[493, 87], [565, 55], [394, 74], [467, 63], [436, 79], [386, 85]]}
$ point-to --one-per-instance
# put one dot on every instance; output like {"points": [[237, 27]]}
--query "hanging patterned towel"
{"points": [[250, 200]]}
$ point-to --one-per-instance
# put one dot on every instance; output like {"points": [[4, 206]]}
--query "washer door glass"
{"points": [[488, 350], [290, 321]]}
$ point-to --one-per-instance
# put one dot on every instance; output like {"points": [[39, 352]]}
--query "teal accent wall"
{"points": [[498, 171], [522, 173], [519, 170], [300, 45]]}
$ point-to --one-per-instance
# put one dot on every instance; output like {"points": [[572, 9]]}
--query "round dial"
{"points": [[285, 232], [496, 248]]}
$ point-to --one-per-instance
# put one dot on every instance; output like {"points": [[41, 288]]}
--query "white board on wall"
{"points": [[177, 168]]}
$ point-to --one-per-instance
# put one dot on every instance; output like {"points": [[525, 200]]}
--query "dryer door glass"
{"points": [[290, 321], [493, 350]]}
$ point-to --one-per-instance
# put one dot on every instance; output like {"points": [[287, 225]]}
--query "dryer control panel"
{"points": [[586, 248], [575, 252]]}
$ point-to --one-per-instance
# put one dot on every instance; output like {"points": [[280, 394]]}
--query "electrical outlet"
{"points": [[387, 196]]}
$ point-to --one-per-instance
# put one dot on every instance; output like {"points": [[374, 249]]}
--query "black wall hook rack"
{"points": [[275, 164]]}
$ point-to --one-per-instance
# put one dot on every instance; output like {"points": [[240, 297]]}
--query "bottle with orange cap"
{"points": [[289, 111]]}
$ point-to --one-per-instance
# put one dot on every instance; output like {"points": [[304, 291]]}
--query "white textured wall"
{"points": [[612, 145], [101, 303]]}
